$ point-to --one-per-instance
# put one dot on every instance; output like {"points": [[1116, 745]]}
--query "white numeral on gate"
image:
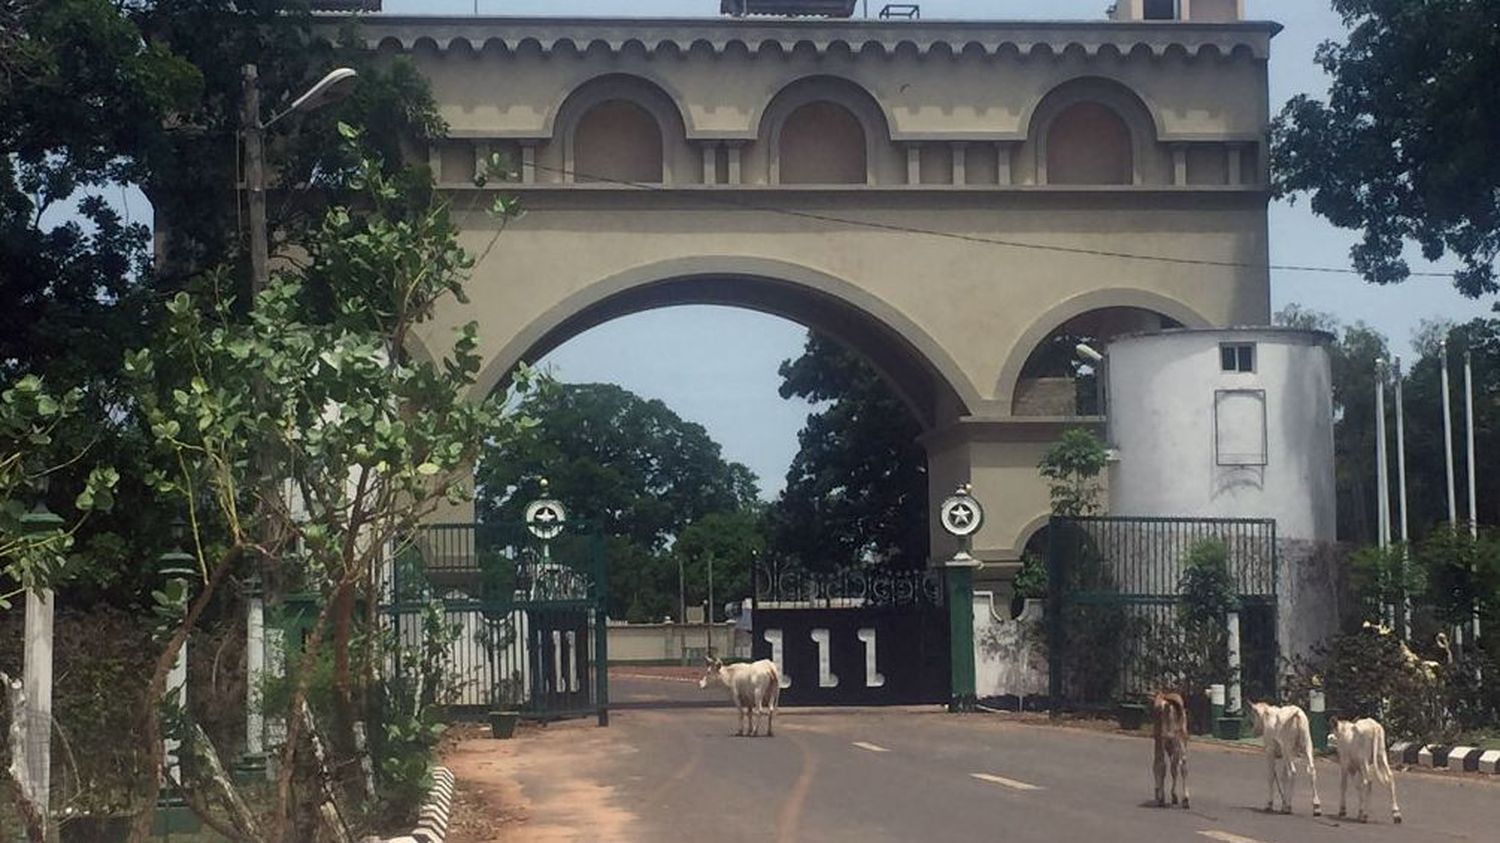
{"points": [[826, 678], [557, 662], [572, 661], [773, 637], [873, 679]]}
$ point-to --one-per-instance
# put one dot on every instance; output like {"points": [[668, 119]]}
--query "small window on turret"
{"points": [[1237, 357], [1160, 10]]}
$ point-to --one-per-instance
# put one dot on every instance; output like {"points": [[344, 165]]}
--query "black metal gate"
{"points": [[526, 619], [1116, 629], [855, 637]]}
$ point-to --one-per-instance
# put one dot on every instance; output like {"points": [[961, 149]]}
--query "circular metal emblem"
{"points": [[545, 518], [961, 515]]}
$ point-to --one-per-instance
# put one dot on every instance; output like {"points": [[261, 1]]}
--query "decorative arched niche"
{"points": [[618, 129], [824, 130], [1094, 131]]}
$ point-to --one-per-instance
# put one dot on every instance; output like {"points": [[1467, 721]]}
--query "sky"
{"points": [[718, 366]]}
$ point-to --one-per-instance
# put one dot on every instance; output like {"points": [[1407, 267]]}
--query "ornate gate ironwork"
{"points": [[1115, 626], [529, 616], [853, 637]]}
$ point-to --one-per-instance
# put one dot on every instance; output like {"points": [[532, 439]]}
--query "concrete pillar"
{"points": [[734, 164], [960, 164], [914, 164], [1317, 716], [37, 682], [1235, 704], [1003, 174]]}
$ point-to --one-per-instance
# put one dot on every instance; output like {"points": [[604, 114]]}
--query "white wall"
{"points": [[1162, 395], [1010, 655]]}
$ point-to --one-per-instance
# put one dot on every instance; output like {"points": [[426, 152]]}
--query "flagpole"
{"points": [[1448, 438], [1382, 478], [1401, 484], [1469, 426]]}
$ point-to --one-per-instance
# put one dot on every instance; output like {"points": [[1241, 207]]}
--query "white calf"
{"points": [[755, 689], [1362, 752], [1287, 740]]}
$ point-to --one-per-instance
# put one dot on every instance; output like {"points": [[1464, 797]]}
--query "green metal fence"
{"points": [[1116, 627], [526, 617]]}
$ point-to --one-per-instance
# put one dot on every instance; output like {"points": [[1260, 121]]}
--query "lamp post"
{"points": [[333, 86], [176, 567], [36, 676]]}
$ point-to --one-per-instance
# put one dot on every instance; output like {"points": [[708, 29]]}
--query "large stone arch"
{"points": [[1042, 326], [920, 370]]}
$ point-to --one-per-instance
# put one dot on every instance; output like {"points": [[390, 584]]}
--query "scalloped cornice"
{"points": [[551, 35]]}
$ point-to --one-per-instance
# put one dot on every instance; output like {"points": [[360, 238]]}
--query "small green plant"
{"points": [[1072, 468], [1031, 580]]}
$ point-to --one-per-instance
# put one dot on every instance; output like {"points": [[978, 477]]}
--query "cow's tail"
{"points": [[1381, 761], [773, 689]]}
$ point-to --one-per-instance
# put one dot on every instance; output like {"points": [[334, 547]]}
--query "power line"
{"points": [[745, 205]]}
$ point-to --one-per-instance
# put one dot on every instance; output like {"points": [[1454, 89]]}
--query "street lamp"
{"points": [[334, 86]]}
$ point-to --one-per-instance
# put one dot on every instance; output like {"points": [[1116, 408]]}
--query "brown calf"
{"points": [[1169, 729]]}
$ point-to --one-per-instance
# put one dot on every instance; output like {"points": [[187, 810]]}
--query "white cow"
{"points": [[755, 689], [1362, 752], [1287, 740]]}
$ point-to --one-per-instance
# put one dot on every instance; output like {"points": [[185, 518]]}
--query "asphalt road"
{"points": [[677, 773]]}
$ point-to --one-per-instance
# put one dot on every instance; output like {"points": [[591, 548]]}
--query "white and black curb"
{"points": [[1458, 758], [432, 822]]}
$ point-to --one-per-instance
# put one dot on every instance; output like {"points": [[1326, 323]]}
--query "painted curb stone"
{"points": [[1489, 762], [1464, 758], [432, 820]]}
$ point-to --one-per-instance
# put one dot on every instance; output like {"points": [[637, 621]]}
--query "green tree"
{"points": [[1072, 467], [1352, 358], [732, 542], [1403, 149], [97, 96], [856, 491], [626, 466], [367, 440]]}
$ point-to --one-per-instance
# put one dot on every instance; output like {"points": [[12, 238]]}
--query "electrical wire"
{"points": [[746, 205]]}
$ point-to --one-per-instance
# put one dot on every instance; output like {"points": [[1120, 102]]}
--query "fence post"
{"points": [[601, 630], [1234, 703]]}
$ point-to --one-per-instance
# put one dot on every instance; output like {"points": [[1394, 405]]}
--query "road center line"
{"points": [[871, 747], [1004, 782], [1226, 837]]}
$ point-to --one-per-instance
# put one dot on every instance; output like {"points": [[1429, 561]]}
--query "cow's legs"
{"points": [[1312, 774], [1271, 773], [1343, 789], [1395, 809], [740, 721], [755, 713], [1289, 773], [1364, 795], [1182, 767], [770, 718], [1159, 767]]}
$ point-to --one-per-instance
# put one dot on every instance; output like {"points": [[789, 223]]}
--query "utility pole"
{"points": [[710, 602], [255, 180], [682, 609]]}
